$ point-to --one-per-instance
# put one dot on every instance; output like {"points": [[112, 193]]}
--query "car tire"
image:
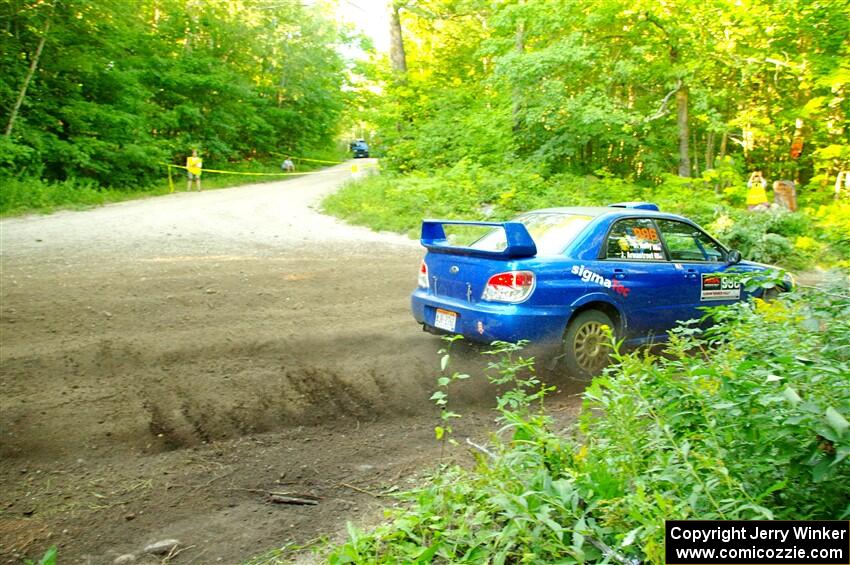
{"points": [[586, 346], [770, 294]]}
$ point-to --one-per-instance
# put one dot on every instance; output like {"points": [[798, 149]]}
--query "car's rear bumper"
{"points": [[487, 322]]}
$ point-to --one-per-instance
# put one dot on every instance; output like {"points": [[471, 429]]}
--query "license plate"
{"points": [[445, 320]]}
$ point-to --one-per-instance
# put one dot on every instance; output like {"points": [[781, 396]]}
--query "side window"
{"points": [[635, 238], [687, 243]]}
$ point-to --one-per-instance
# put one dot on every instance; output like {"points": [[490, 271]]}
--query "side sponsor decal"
{"points": [[719, 287], [590, 276]]}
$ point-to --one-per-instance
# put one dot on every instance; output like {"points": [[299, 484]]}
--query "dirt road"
{"points": [[167, 362]]}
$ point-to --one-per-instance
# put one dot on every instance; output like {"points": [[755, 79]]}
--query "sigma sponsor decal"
{"points": [[590, 276], [719, 287]]}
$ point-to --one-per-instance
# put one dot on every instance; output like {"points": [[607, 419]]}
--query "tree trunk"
{"points": [[723, 140], [397, 56], [33, 66], [709, 150], [682, 113], [696, 156], [519, 47]]}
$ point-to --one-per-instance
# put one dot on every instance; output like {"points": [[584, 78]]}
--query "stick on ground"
{"points": [[281, 499]]}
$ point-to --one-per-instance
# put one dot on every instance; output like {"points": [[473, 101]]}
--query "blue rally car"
{"points": [[557, 276], [359, 148]]}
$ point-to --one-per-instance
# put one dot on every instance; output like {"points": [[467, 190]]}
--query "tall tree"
{"points": [[397, 53], [32, 67], [684, 131], [122, 92]]}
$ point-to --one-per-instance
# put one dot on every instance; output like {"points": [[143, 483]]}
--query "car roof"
{"points": [[596, 211]]}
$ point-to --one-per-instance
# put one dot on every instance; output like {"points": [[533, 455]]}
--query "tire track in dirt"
{"points": [[163, 359]]}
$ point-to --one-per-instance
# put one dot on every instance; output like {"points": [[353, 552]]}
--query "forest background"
{"points": [[98, 96], [495, 108], [481, 108]]}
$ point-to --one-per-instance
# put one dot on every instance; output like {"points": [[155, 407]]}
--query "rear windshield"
{"points": [[551, 231]]}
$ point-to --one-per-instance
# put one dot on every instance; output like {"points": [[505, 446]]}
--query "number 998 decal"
{"points": [[720, 287]]}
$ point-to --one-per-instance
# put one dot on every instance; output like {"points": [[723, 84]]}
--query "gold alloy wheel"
{"points": [[591, 346]]}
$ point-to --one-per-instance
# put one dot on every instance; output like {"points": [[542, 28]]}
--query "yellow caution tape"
{"points": [[245, 173], [260, 174], [306, 159]]}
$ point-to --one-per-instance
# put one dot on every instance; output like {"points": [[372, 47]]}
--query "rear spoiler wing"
{"points": [[519, 241]]}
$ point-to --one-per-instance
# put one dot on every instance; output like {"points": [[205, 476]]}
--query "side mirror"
{"points": [[733, 257]]}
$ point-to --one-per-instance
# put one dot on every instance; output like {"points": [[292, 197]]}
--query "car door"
{"points": [[642, 279], [701, 262]]}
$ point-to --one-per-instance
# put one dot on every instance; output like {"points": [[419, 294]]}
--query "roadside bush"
{"points": [[833, 221], [14, 157], [19, 195], [398, 203], [746, 421], [769, 236], [694, 198], [469, 190]]}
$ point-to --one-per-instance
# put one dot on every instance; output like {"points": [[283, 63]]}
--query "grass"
{"points": [[816, 235], [27, 196]]}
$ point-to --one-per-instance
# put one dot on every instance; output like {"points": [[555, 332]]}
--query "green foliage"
{"points": [[833, 221], [767, 237], [513, 106], [123, 86], [395, 202], [795, 240], [510, 368], [582, 87], [440, 397], [747, 421], [23, 195], [741, 437], [49, 558]]}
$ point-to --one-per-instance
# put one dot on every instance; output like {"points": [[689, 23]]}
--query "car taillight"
{"points": [[423, 275], [513, 286]]}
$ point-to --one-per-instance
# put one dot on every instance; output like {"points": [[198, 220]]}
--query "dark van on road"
{"points": [[359, 148]]}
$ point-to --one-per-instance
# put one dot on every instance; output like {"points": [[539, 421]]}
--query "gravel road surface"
{"points": [[168, 362]]}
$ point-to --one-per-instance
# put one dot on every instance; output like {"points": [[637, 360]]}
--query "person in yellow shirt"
{"points": [[194, 164], [756, 195]]}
